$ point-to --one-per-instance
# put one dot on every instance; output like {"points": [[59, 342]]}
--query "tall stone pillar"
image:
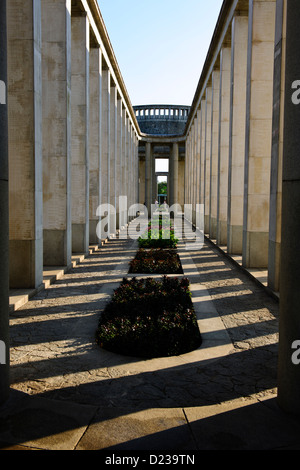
{"points": [[258, 133], [148, 176], [25, 143], [4, 224], [95, 140], [222, 184], [153, 181], [237, 125], [194, 167], [113, 157], [105, 146], [198, 155], [215, 122], [119, 176], [202, 162], [277, 148], [207, 159], [125, 168], [56, 73], [80, 134], [289, 320], [175, 158]]}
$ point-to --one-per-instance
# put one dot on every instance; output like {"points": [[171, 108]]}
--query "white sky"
{"points": [[160, 46]]}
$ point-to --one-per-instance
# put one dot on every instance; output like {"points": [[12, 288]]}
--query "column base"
{"points": [[255, 249], [274, 265], [222, 233], [57, 248], [213, 228], [25, 264], [235, 239], [80, 238], [94, 240]]}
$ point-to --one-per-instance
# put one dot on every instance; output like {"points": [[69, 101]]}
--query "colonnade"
{"points": [[234, 135], [69, 143], [73, 135]]}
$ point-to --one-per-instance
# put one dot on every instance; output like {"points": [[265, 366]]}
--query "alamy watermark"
{"points": [[296, 354], [2, 92], [188, 222], [2, 352]]}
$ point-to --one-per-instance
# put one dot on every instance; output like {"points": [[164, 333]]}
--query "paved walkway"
{"points": [[69, 394]]}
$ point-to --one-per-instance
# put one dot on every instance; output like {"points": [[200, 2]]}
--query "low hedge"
{"points": [[150, 318], [159, 235], [156, 261]]}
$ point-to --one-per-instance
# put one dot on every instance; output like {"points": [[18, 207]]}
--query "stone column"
{"points": [[193, 169], [215, 122], [56, 72], [105, 145], [113, 156], [277, 148], [148, 177], [25, 143], [223, 146], [125, 166], [4, 224], [239, 42], [122, 164], [202, 162], [198, 155], [119, 176], [80, 134], [153, 181], [129, 187], [289, 324], [175, 158], [95, 140], [258, 133], [207, 159]]}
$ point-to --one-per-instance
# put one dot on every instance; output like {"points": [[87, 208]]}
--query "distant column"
{"points": [[258, 133], [56, 70], [175, 158], [215, 122], [289, 324], [25, 143], [4, 224], [193, 168], [119, 175], [123, 167], [207, 159], [237, 125], [198, 155], [105, 145], [113, 157], [148, 176], [202, 144], [95, 140], [80, 134], [223, 146]]}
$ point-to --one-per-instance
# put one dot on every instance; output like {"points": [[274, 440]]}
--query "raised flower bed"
{"points": [[150, 318], [160, 234], [156, 261]]}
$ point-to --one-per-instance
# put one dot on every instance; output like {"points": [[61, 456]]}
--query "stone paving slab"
{"points": [[151, 429], [38, 423]]}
